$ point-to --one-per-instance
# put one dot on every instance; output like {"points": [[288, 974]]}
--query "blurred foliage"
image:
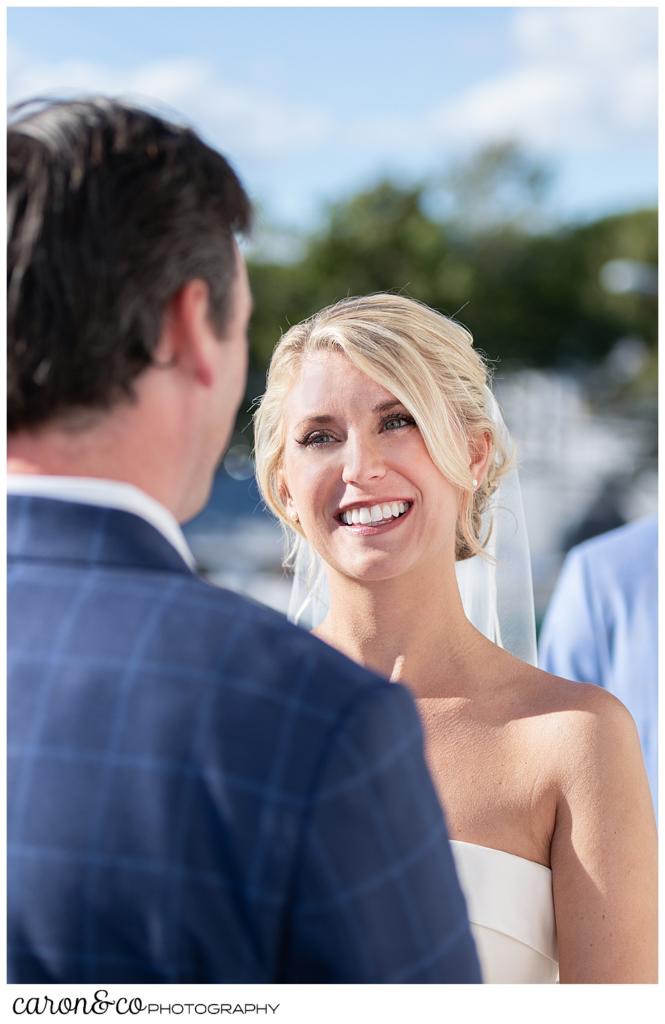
{"points": [[475, 245]]}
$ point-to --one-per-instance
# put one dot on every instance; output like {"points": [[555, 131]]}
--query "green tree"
{"points": [[474, 245]]}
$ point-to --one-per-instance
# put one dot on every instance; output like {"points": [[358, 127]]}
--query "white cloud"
{"points": [[574, 36], [584, 79], [536, 105], [581, 80], [245, 121]]}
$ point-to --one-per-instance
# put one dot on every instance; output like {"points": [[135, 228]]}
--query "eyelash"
{"points": [[313, 439]]}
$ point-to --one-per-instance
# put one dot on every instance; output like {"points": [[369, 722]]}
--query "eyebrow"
{"points": [[327, 418], [390, 404]]}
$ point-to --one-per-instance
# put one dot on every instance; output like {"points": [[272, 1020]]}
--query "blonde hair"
{"points": [[423, 358]]}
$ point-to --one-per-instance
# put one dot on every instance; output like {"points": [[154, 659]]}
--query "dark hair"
{"points": [[111, 210]]}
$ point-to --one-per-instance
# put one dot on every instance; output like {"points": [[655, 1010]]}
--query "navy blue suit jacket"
{"points": [[199, 791]]}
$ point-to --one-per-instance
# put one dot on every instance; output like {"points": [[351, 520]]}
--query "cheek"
{"points": [[446, 505], [440, 495], [309, 481], [414, 461], [409, 454]]}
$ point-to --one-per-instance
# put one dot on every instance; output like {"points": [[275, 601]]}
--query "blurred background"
{"points": [[499, 164]]}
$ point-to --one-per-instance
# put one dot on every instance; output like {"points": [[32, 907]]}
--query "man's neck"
{"points": [[104, 452]]}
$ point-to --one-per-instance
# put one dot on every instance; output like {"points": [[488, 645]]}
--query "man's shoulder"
{"points": [[618, 551], [615, 568], [266, 644]]}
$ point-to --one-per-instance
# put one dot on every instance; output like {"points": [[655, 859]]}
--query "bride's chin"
{"points": [[374, 571]]}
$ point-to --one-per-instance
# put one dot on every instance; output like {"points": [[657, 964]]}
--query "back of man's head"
{"points": [[111, 210]]}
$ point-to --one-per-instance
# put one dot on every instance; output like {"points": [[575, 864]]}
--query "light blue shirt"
{"points": [[602, 625]]}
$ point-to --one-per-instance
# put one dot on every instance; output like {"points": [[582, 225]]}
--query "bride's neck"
{"points": [[412, 628]]}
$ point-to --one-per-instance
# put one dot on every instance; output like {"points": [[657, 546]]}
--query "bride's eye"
{"points": [[315, 438], [397, 421]]}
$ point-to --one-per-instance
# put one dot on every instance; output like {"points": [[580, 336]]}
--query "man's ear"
{"points": [[187, 340], [480, 448]]}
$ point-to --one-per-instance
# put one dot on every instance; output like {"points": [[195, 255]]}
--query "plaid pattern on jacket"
{"points": [[199, 791]]}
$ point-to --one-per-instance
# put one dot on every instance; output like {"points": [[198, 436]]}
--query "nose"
{"points": [[363, 460]]}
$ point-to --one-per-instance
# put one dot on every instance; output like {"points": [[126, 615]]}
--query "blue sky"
{"points": [[311, 103]]}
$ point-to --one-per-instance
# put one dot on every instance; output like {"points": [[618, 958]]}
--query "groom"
{"points": [[197, 791]]}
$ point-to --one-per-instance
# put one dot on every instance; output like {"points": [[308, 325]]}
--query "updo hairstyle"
{"points": [[427, 361]]}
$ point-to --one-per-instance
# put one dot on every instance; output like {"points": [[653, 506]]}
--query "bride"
{"points": [[380, 447]]}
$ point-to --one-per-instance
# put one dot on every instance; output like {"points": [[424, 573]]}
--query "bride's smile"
{"points": [[365, 520], [358, 476]]}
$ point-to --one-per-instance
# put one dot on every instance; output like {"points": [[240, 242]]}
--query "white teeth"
{"points": [[374, 513]]}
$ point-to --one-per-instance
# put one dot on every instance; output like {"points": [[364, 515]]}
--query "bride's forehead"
{"points": [[332, 378]]}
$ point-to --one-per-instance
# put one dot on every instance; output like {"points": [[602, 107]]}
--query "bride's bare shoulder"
{"points": [[558, 696], [578, 723]]}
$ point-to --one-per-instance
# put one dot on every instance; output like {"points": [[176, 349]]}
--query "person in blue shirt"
{"points": [[601, 625]]}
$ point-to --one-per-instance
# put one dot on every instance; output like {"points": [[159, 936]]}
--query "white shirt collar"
{"points": [[106, 493]]}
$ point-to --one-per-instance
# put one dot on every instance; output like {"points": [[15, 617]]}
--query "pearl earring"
{"points": [[294, 515], [475, 483]]}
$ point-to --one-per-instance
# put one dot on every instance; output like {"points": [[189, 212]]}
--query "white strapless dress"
{"points": [[509, 900]]}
